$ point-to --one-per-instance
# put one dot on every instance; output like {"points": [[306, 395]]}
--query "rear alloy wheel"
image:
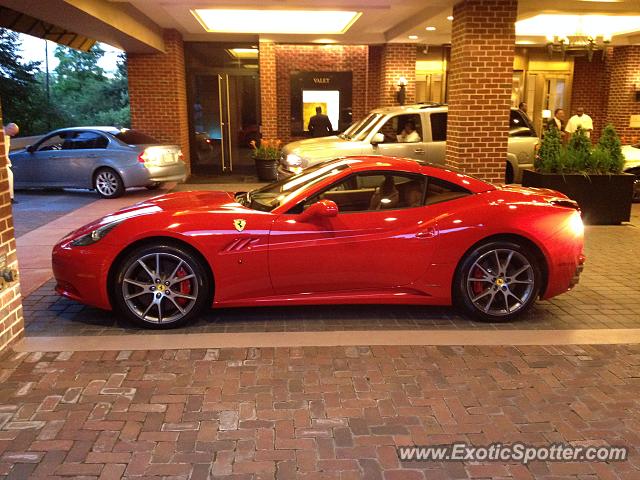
{"points": [[161, 286], [498, 281], [108, 183]]}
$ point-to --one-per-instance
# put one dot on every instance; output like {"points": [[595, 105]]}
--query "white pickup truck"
{"points": [[378, 134]]}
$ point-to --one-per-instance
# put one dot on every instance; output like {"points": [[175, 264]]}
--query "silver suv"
{"points": [[415, 131]]}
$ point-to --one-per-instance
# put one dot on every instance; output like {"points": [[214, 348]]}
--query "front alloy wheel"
{"points": [[498, 281], [161, 286]]}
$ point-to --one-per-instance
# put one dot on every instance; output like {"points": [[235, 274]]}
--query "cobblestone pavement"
{"points": [[312, 413], [608, 296]]}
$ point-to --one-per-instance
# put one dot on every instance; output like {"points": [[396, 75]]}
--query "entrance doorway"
{"points": [[224, 108]]}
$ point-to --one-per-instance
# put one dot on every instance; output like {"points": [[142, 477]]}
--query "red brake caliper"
{"points": [[185, 287], [477, 286]]}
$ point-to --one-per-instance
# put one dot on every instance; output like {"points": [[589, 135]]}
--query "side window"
{"points": [[438, 122], [89, 140], [442, 191], [374, 191], [519, 126], [405, 128], [54, 143]]}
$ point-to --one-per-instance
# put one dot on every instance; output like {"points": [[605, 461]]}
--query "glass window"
{"points": [[442, 191], [275, 194], [405, 128], [373, 191], [134, 137], [88, 140], [365, 127], [54, 143], [519, 125], [438, 126]]}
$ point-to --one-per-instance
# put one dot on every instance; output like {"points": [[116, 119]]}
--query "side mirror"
{"points": [[323, 208], [30, 148], [377, 138]]}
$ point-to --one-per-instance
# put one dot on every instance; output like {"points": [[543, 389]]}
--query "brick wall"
{"points": [[397, 60], [590, 89], [11, 319], [328, 58], [158, 93], [268, 90], [374, 76], [625, 76], [480, 84]]}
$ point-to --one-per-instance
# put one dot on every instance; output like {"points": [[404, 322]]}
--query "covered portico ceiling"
{"points": [[380, 21]]}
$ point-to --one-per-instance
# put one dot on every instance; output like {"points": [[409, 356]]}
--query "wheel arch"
{"points": [[167, 240], [512, 237]]}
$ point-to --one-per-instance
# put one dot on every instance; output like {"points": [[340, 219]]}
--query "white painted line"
{"points": [[171, 341]]}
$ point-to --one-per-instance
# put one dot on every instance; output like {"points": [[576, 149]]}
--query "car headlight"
{"points": [[95, 235], [294, 160]]}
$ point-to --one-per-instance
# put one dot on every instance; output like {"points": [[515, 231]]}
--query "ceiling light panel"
{"points": [[276, 21]]}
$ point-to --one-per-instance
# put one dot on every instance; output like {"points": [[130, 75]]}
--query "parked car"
{"points": [[106, 159], [632, 165], [353, 230], [376, 134]]}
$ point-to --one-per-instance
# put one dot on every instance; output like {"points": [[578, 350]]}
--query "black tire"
{"points": [[508, 174], [154, 186], [108, 183], [477, 283], [141, 307]]}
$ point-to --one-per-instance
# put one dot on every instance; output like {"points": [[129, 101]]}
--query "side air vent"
{"points": [[565, 202]]}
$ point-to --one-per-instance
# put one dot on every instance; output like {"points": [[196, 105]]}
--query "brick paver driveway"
{"points": [[316, 413], [608, 296]]}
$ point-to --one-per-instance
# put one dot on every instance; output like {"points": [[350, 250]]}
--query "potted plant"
{"points": [[591, 176], [266, 155]]}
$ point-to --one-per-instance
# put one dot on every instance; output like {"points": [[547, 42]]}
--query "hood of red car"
{"points": [[171, 202]]}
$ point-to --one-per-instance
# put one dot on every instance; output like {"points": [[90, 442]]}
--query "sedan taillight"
{"points": [[142, 158]]}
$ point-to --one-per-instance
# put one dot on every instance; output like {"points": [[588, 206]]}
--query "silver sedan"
{"points": [[106, 159]]}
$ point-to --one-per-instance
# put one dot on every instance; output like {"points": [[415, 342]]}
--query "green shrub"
{"points": [[548, 158], [599, 161], [610, 142]]}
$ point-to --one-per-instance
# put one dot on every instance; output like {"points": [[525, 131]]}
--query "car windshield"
{"points": [[134, 137], [352, 128], [275, 194], [364, 127]]}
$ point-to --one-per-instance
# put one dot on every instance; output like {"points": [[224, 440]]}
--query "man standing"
{"points": [[581, 120], [319, 124], [10, 130]]}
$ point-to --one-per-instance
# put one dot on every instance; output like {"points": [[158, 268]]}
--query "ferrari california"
{"points": [[351, 230]]}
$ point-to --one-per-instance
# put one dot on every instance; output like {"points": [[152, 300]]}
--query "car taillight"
{"points": [[142, 158], [180, 155]]}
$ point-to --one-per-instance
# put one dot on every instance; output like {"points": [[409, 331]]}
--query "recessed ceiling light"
{"points": [[243, 52], [570, 25], [413, 37], [275, 21], [430, 29], [324, 40], [450, 17]]}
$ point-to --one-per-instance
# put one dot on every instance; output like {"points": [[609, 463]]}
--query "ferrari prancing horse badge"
{"points": [[239, 224]]}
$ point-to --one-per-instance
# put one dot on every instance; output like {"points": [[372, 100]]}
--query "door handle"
{"points": [[419, 150], [429, 232]]}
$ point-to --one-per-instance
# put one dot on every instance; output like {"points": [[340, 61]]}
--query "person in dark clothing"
{"points": [[319, 124]]}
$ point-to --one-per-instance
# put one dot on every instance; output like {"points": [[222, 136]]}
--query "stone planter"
{"points": [[603, 199]]}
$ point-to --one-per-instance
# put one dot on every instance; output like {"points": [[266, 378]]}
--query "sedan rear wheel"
{"points": [[498, 281], [161, 286], [108, 183]]}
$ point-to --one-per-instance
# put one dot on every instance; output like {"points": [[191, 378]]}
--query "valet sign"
{"points": [[331, 91]]}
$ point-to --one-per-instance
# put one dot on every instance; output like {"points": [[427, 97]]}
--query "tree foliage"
{"points": [[80, 92]]}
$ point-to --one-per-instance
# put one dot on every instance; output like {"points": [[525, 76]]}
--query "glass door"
{"points": [[224, 98]]}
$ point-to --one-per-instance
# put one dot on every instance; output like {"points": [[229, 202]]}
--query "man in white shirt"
{"points": [[10, 130], [581, 120], [409, 134]]}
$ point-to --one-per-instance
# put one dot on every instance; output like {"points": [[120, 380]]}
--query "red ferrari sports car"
{"points": [[352, 230]]}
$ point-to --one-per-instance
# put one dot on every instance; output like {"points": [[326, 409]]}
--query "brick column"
{"points": [[397, 60], [590, 89], [625, 78], [11, 319], [480, 83], [158, 93], [268, 90]]}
